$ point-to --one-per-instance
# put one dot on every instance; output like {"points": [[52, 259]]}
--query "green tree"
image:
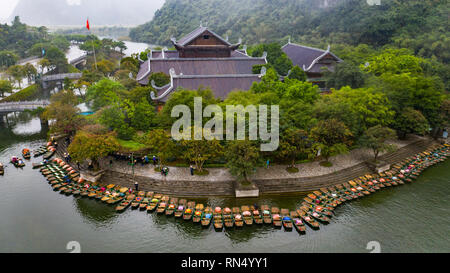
{"points": [[375, 139], [105, 67], [345, 74], [393, 61], [105, 92], [65, 114], [298, 74], [294, 142], [199, 151], [275, 56], [58, 59], [29, 71], [159, 141], [7, 58], [242, 158], [91, 146], [160, 78], [331, 138], [419, 92], [410, 121], [359, 108], [142, 115], [5, 87], [17, 73]]}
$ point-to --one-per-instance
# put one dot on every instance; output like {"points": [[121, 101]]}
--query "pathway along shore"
{"points": [[317, 208], [275, 180]]}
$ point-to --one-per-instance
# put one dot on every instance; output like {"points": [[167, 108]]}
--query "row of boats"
{"points": [[47, 151], [316, 208]]}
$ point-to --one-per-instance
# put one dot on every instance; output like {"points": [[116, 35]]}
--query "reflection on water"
{"points": [[19, 127], [95, 211], [409, 218]]}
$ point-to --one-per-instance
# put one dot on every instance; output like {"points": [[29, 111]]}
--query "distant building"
{"points": [[201, 58], [312, 61]]}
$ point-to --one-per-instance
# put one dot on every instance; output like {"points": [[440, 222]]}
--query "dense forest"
{"points": [[419, 25]]}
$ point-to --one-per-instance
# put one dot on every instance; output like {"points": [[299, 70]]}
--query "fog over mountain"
{"points": [[75, 12]]}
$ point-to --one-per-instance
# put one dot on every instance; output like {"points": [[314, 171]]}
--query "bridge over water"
{"points": [[20, 106], [59, 78]]}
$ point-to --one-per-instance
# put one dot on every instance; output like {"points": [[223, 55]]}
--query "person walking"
{"points": [[267, 163], [154, 160], [78, 165], [192, 169], [136, 186]]}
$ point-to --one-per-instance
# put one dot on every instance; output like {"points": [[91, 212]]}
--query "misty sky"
{"points": [[68, 12], [6, 7]]}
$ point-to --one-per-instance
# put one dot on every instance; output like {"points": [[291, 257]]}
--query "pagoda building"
{"points": [[312, 60], [201, 59]]}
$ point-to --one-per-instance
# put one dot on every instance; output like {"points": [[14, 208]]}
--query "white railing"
{"points": [[62, 76], [23, 105]]}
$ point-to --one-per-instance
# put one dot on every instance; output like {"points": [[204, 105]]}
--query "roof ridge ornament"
{"points": [[263, 71], [201, 23], [240, 41], [162, 52], [289, 39], [245, 49], [264, 56], [226, 38], [168, 90], [318, 58]]}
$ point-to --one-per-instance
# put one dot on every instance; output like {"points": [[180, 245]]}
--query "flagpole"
{"points": [[93, 49]]}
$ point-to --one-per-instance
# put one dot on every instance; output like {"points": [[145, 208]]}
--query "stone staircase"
{"points": [[313, 183]]}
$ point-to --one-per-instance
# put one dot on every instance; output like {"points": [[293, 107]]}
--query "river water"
{"points": [[410, 218]]}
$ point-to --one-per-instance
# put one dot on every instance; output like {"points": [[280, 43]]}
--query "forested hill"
{"points": [[416, 24]]}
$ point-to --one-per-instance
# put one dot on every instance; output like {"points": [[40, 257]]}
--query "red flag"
{"points": [[87, 24]]}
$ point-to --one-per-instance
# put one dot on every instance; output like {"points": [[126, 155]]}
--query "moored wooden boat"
{"points": [[144, 203], [206, 217], [153, 204], [161, 208], [286, 219], [276, 220], [257, 217], [123, 205], [308, 219], [189, 211], [198, 213], [217, 218], [171, 208], [238, 221], [227, 218], [180, 209], [297, 222], [26, 153], [267, 216], [136, 202], [247, 215]]}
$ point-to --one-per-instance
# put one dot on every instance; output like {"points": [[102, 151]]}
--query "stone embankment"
{"points": [[276, 180]]}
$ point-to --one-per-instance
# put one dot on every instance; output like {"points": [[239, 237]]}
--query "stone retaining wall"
{"points": [[223, 187], [182, 188]]}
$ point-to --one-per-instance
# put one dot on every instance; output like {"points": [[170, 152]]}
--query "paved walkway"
{"points": [[310, 169]]}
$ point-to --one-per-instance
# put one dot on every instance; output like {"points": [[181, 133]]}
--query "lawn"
{"points": [[131, 145]]}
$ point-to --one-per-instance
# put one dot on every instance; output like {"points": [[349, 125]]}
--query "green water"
{"points": [[410, 218]]}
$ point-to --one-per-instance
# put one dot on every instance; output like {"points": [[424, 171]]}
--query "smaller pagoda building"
{"points": [[312, 60], [201, 59]]}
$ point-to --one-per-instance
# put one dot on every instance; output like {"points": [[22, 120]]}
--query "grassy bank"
{"points": [[25, 94]]}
